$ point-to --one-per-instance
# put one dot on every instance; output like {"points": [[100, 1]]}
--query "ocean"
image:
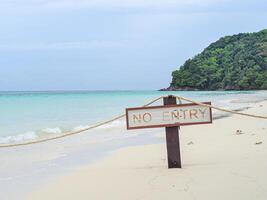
{"points": [[29, 115]]}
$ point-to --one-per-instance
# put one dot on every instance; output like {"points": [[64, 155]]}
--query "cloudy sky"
{"points": [[112, 44]]}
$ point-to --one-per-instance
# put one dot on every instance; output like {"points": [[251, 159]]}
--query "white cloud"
{"points": [[106, 3], [95, 44], [128, 3]]}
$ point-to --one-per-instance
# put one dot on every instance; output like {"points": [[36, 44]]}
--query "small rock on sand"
{"points": [[239, 132], [258, 143]]}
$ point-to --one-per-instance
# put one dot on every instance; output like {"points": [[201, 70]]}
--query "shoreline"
{"points": [[216, 151]]}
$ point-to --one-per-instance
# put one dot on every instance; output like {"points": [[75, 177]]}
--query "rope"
{"points": [[123, 115], [72, 132], [221, 109]]}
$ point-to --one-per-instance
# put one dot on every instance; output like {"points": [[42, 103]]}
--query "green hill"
{"points": [[237, 62]]}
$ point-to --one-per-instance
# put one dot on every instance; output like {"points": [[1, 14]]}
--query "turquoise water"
{"points": [[27, 115]]}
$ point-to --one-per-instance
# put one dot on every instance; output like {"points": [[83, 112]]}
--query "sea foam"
{"points": [[18, 138], [56, 130]]}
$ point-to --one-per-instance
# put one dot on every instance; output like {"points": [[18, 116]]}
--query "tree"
{"points": [[236, 62]]}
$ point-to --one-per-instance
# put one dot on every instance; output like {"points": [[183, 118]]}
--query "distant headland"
{"points": [[237, 62]]}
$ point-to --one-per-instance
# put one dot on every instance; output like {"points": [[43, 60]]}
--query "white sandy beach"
{"points": [[217, 164]]}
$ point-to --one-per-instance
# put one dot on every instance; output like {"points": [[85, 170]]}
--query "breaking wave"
{"points": [[49, 132], [18, 138]]}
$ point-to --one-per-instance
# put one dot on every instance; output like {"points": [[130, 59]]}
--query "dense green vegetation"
{"points": [[237, 62]]}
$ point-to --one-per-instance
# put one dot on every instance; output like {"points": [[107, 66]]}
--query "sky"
{"points": [[112, 44]]}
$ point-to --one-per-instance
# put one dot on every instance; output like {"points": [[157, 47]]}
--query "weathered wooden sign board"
{"points": [[167, 116], [171, 116]]}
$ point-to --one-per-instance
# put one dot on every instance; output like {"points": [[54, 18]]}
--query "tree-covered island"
{"points": [[237, 62]]}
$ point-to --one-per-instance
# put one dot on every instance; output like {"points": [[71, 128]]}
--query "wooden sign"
{"points": [[171, 116], [168, 116]]}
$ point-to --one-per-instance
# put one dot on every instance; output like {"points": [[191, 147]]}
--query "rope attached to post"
{"points": [[121, 116], [221, 109]]}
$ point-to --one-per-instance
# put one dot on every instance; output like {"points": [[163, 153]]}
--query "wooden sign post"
{"points": [[171, 116], [172, 140]]}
